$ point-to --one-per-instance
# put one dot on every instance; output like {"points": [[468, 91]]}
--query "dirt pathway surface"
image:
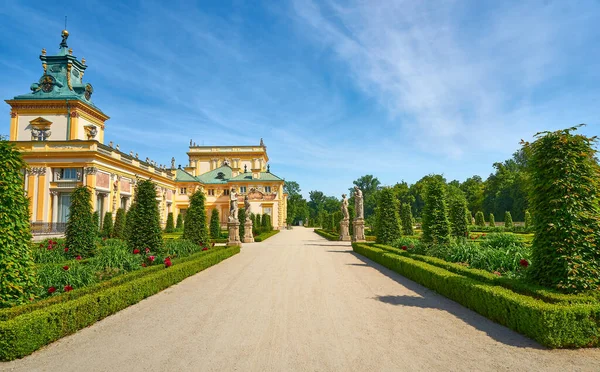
{"points": [[297, 302]]}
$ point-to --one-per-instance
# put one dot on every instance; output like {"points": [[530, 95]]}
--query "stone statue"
{"points": [[247, 207], [173, 163], [190, 143], [345, 207], [110, 144], [233, 206], [359, 205]]}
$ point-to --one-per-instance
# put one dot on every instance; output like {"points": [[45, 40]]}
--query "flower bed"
{"points": [[24, 329], [327, 235], [553, 320], [264, 236]]}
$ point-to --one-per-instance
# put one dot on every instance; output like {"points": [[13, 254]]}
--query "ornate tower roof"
{"points": [[62, 78]]}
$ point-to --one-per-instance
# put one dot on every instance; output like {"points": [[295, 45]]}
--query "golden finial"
{"points": [[65, 33], [45, 66], [70, 51], [83, 61], [43, 51]]}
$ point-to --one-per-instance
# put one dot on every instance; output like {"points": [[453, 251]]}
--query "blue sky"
{"points": [[397, 89]]}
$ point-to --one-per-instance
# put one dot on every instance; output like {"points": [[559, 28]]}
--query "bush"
{"points": [[386, 217], [17, 275], [242, 219], [508, 222], [435, 225], [406, 219], [96, 223], [107, 225], [266, 225], [170, 227], [492, 220], [479, 219], [179, 224], [181, 248], [327, 235], [119, 226], [81, 231], [265, 235], [195, 227], [144, 219], [528, 224], [215, 224], [115, 254], [565, 203], [458, 216]]}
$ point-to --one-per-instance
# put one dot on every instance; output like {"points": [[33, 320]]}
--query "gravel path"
{"points": [[297, 302]]}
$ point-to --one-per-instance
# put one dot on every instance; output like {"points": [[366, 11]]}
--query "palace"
{"points": [[60, 133]]}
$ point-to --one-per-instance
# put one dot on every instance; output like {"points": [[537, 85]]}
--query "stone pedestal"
{"points": [[344, 231], [359, 231], [248, 237], [234, 233]]}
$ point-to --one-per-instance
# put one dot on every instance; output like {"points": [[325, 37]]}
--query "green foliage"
{"points": [[327, 235], [215, 224], [435, 225], [129, 221], [81, 231], [96, 223], [107, 225], [27, 330], [119, 226], [170, 227], [78, 275], [387, 225], [50, 251], [528, 221], [179, 224], [195, 227], [144, 219], [406, 219], [242, 219], [552, 325], [565, 200], [458, 215], [17, 275], [116, 256], [492, 220], [181, 248], [265, 235], [479, 219], [266, 225], [508, 222]]}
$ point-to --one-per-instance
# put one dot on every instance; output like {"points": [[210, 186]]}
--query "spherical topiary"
{"points": [[387, 221], [215, 224], [195, 227], [119, 226], [435, 224], [145, 219], [508, 222]]}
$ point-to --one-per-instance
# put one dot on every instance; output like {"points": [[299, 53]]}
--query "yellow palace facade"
{"points": [[60, 133]]}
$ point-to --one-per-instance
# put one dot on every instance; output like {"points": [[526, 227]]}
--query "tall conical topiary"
{"points": [[107, 225], [96, 222], [492, 220], [81, 230], [406, 218], [528, 224], [242, 219], [119, 226], [195, 227], [266, 223], [479, 219], [179, 224], [170, 226], [387, 221], [458, 216], [17, 273], [215, 224], [145, 219], [129, 221], [565, 203], [508, 222], [436, 227]]}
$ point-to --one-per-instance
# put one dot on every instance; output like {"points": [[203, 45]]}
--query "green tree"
{"points": [[195, 227], [96, 223], [492, 221], [119, 226], [81, 232], [170, 227], [458, 215], [508, 222], [473, 188], [528, 223], [257, 223], [215, 224], [129, 222], [418, 191], [242, 219], [266, 223], [107, 225], [565, 203], [407, 220], [145, 231], [369, 186], [179, 224], [17, 272], [387, 225], [479, 219], [436, 227]]}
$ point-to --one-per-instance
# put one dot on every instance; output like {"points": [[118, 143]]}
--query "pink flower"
{"points": [[51, 290], [151, 258], [524, 262], [147, 250], [68, 288], [78, 258], [136, 251], [168, 262], [65, 268], [50, 246]]}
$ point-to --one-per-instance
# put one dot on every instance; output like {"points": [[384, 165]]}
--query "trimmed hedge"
{"points": [[553, 325], [327, 235], [24, 333], [265, 235]]}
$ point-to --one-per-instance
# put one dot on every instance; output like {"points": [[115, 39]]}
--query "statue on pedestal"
{"points": [[359, 204], [247, 207], [359, 221], [345, 223], [233, 206], [345, 213], [248, 237]]}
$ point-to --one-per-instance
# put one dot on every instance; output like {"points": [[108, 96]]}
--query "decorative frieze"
{"points": [[91, 170], [37, 171]]}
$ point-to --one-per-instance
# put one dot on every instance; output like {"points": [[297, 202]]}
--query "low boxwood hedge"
{"points": [[327, 235], [23, 332], [265, 235], [555, 325]]}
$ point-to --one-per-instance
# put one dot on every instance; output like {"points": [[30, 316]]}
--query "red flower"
{"points": [[168, 262], [483, 235], [524, 262], [205, 249], [213, 244], [51, 290], [404, 247], [151, 258], [136, 251], [50, 246], [473, 237], [143, 265], [497, 273], [66, 249], [78, 258], [68, 288], [66, 268], [147, 250]]}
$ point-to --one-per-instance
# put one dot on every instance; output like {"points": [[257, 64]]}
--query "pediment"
{"points": [[40, 122]]}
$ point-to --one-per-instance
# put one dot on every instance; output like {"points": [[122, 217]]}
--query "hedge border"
{"points": [[552, 325], [327, 235], [27, 332], [264, 236]]}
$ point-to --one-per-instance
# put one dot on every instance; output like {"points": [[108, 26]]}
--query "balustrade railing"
{"points": [[48, 228]]}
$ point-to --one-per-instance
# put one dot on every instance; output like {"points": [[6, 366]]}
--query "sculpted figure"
{"points": [[233, 205], [173, 163], [345, 207], [247, 207], [359, 205]]}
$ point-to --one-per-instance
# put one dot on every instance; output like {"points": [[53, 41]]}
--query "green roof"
{"points": [[216, 176], [183, 176], [264, 176], [223, 175]]}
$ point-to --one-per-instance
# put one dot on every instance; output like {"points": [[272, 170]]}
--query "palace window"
{"points": [[226, 192], [183, 190], [267, 188], [67, 174], [243, 189], [211, 192]]}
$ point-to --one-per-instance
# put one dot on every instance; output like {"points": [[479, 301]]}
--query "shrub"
{"points": [[215, 224], [406, 219], [326, 234], [107, 225], [265, 235], [181, 248], [119, 226], [479, 219], [242, 218], [17, 275], [492, 220], [50, 251], [435, 225], [115, 254], [195, 227], [129, 221], [266, 223], [508, 222], [458, 216], [528, 224], [565, 200], [170, 227], [179, 224], [145, 219], [78, 275], [96, 223], [386, 217], [81, 231]]}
